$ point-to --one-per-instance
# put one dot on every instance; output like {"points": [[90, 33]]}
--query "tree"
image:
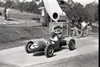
{"points": [[8, 3], [97, 14], [1, 4], [77, 12], [92, 11], [28, 6]]}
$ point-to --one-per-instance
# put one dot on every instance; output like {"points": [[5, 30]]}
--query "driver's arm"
{"points": [[54, 39]]}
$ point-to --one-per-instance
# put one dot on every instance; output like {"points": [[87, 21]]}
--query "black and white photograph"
{"points": [[49, 33]]}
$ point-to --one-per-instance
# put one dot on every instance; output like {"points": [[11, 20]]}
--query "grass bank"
{"points": [[9, 34]]}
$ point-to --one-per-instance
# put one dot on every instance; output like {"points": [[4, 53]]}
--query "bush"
{"points": [[22, 6]]}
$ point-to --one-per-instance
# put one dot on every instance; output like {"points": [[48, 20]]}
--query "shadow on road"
{"points": [[38, 54], [42, 53], [62, 48]]}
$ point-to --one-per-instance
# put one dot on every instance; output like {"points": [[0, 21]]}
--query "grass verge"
{"points": [[9, 34]]}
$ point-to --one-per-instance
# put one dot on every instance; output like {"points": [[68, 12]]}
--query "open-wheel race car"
{"points": [[49, 44], [48, 47]]}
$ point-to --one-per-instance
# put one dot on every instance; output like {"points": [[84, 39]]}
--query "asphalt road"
{"points": [[84, 60], [18, 57]]}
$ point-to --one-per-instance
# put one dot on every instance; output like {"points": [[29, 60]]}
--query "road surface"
{"points": [[18, 57]]}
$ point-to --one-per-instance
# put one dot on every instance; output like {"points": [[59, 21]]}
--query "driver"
{"points": [[56, 34], [53, 38], [58, 31]]}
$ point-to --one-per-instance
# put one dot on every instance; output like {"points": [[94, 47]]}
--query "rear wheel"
{"points": [[72, 44], [27, 47], [49, 51]]}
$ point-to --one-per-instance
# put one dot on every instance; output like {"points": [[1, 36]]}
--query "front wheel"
{"points": [[72, 44], [27, 47], [49, 51]]}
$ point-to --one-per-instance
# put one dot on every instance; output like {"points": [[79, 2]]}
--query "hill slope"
{"points": [[8, 34]]}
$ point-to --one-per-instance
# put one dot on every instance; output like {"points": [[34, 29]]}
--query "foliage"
{"points": [[77, 12], [1, 4], [92, 11], [8, 3], [23, 6]]}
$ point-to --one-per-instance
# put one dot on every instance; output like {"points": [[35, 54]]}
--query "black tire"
{"points": [[72, 44], [49, 51], [27, 47]]}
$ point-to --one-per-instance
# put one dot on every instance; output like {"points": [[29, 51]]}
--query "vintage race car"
{"points": [[48, 47]]}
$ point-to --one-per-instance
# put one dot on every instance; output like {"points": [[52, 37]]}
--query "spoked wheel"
{"points": [[27, 47], [49, 51], [72, 44]]}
